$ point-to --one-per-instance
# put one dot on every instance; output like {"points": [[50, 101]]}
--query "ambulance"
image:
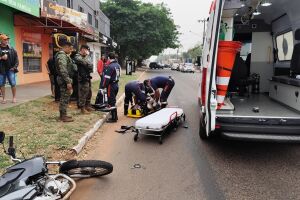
{"points": [[250, 82]]}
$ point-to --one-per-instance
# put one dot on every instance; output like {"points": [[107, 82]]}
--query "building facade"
{"points": [[97, 19], [36, 26]]}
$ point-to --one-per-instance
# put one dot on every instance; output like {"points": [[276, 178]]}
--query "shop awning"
{"points": [[25, 20]]}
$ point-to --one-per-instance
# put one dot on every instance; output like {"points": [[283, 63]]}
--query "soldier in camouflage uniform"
{"points": [[85, 68], [65, 71]]}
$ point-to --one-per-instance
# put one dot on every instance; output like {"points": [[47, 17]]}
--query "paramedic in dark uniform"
{"points": [[163, 82], [111, 75], [137, 89]]}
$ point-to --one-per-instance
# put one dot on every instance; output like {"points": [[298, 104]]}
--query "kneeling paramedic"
{"points": [[163, 82], [111, 75], [137, 89]]}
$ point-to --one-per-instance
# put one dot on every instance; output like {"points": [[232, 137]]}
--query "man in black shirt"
{"points": [[52, 74], [8, 67]]}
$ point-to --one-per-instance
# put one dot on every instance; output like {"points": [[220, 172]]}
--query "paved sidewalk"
{"points": [[30, 92]]}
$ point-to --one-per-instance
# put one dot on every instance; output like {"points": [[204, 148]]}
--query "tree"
{"points": [[193, 53], [141, 29]]}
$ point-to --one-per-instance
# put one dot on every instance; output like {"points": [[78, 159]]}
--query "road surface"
{"points": [[186, 168]]}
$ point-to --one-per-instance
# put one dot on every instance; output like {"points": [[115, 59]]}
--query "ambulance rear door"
{"points": [[209, 58]]}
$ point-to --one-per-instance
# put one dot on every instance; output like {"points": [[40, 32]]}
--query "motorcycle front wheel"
{"points": [[85, 168]]}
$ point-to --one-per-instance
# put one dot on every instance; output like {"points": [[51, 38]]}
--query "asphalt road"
{"points": [[186, 168]]}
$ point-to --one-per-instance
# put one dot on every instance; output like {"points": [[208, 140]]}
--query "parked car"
{"points": [[174, 66], [167, 66], [188, 67], [155, 65]]}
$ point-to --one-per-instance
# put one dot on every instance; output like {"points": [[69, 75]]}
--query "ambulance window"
{"points": [[285, 46]]}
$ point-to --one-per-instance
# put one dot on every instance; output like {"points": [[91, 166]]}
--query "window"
{"points": [[90, 19], [80, 9], [70, 3], [96, 23], [285, 46], [32, 52]]}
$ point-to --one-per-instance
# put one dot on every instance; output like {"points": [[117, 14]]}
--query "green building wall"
{"points": [[7, 23]]}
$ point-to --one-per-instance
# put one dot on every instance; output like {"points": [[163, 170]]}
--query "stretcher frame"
{"points": [[174, 121]]}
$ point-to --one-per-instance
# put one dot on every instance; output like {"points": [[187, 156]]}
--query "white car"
{"points": [[174, 66], [188, 67]]}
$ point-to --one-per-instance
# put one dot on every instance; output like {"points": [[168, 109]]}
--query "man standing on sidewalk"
{"points": [[65, 71], [9, 63], [85, 68]]}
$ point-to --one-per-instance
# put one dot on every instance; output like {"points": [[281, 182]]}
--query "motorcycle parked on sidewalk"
{"points": [[29, 179]]}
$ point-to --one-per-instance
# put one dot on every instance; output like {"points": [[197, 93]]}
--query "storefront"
{"points": [[35, 45], [8, 10]]}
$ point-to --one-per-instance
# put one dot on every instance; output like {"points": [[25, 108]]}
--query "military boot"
{"points": [[114, 116], [65, 118], [89, 108], [83, 111]]}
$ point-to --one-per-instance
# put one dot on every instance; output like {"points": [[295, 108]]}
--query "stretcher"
{"points": [[157, 124]]}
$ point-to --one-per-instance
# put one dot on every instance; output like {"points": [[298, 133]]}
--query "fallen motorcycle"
{"points": [[29, 179]]}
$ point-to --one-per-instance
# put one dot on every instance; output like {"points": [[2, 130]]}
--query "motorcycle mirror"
{"points": [[2, 136]]}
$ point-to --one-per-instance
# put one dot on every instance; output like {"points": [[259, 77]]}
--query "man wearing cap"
{"points": [[65, 71], [85, 68], [9, 63]]}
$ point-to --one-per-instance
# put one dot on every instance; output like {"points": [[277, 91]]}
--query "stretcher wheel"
{"points": [[136, 137]]}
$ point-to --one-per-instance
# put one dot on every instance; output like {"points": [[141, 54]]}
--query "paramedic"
{"points": [[111, 75], [163, 82], [137, 89]]}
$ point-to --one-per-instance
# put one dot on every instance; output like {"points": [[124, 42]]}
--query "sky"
{"points": [[186, 14]]}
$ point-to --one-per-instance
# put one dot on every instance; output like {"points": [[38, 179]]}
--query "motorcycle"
{"points": [[29, 179]]}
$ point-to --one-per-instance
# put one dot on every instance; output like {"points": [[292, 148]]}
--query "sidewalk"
{"points": [[30, 92]]}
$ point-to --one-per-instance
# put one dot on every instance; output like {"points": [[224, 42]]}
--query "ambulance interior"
{"points": [[265, 80]]}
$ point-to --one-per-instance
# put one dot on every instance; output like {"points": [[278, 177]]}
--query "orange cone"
{"points": [[226, 57]]}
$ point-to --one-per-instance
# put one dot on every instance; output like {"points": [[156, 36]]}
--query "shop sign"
{"points": [[53, 10], [28, 6]]}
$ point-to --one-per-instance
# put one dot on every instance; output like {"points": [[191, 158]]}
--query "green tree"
{"points": [[193, 53], [141, 29]]}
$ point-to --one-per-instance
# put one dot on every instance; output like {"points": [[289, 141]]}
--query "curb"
{"points": [[88, 135]]}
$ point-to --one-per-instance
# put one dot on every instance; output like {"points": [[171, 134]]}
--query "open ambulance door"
{"points": [[208, 82]]}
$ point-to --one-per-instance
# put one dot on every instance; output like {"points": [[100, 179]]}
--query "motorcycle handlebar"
{"points": [[11, 149], [11, 142]]}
